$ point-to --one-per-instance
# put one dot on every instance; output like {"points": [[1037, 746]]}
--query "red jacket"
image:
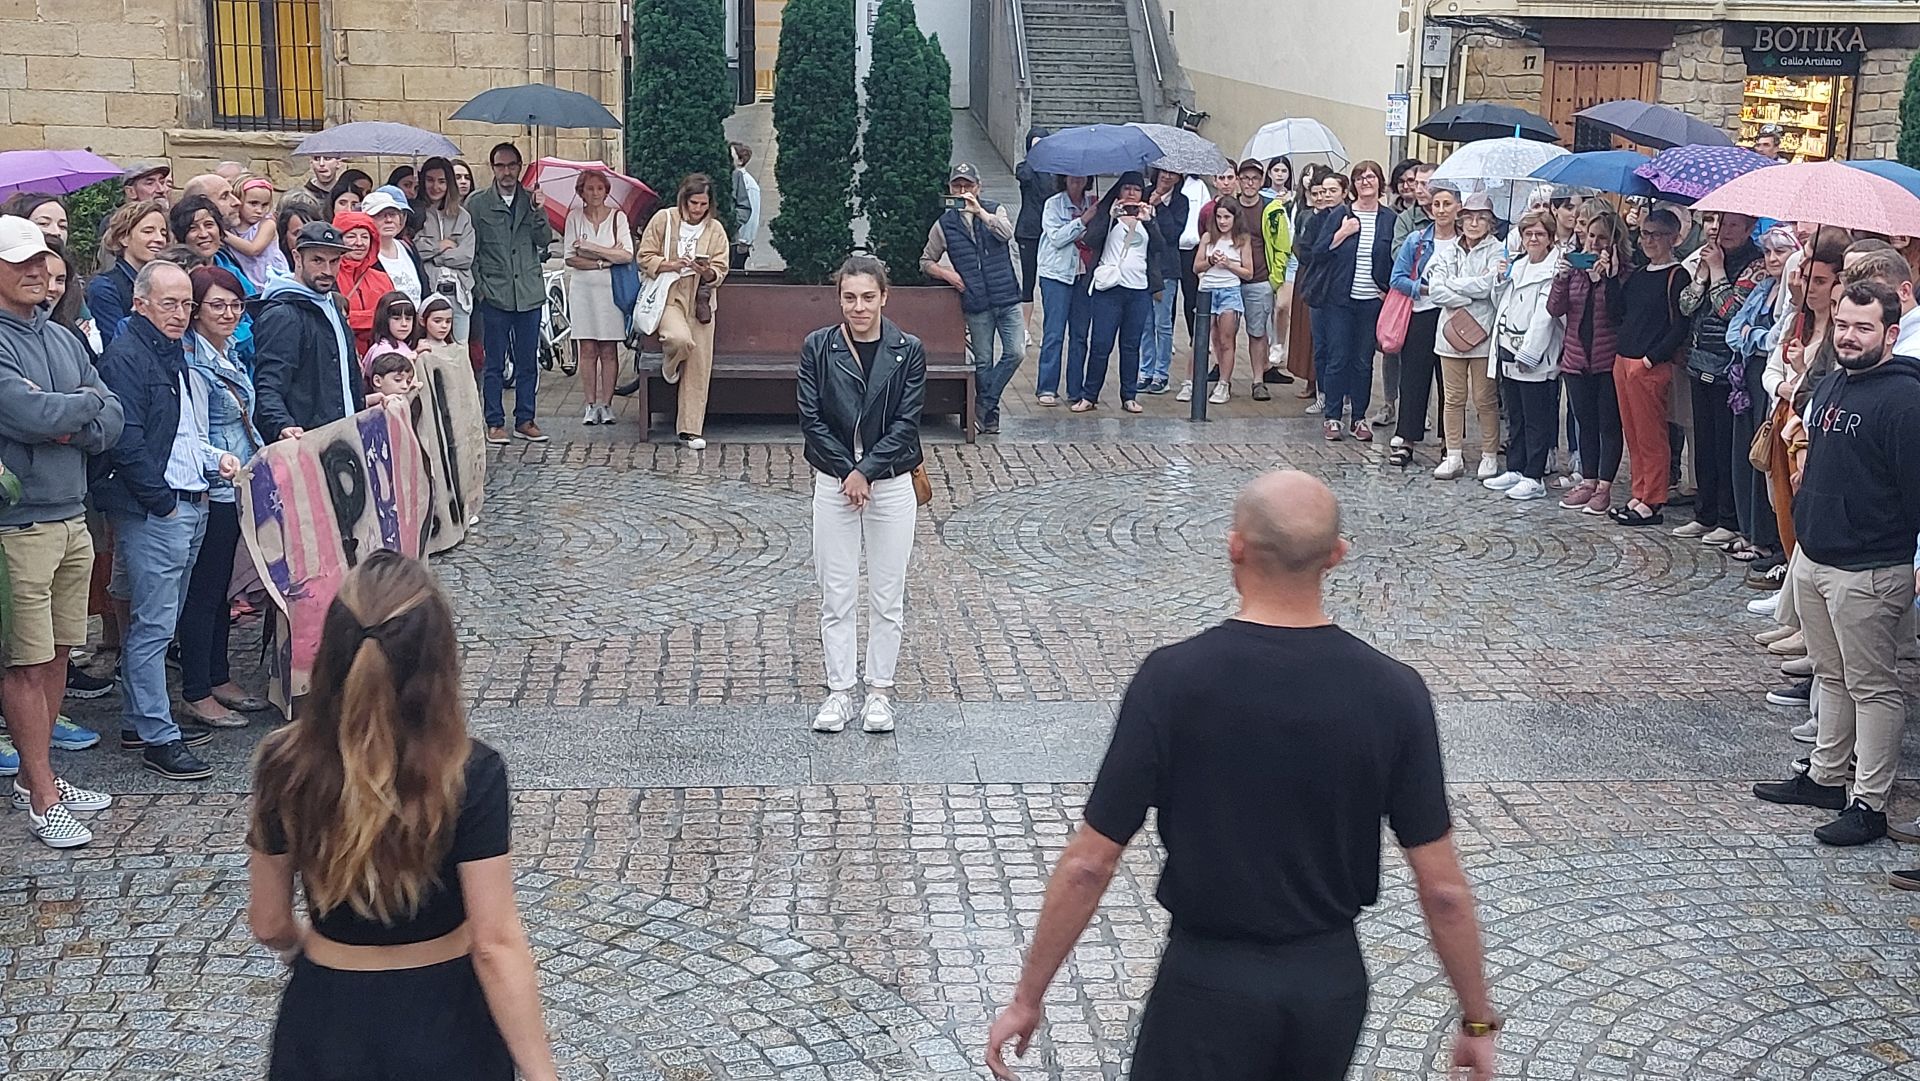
{"points": [[1592, 312], [362, 281]]}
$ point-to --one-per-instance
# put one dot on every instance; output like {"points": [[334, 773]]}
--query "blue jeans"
{"points": [[158, 555], [1067, 312], [1119, 314], [1156, 345], [1348, 379], [1321, 324], [990, 376], [501, 330]]}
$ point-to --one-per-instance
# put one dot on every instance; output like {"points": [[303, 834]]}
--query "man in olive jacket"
{"points": [[511, 238]]}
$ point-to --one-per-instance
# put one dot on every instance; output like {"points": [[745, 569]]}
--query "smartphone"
{"points": [[1129, 210], [953, 202], [1582, 260]]}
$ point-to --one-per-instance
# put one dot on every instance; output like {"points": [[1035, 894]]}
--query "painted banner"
{"points": [[447, 418]]}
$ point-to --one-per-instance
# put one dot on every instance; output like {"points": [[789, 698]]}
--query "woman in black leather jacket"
{"points": [[861, 386]]}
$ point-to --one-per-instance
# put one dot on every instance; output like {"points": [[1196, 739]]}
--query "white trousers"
{"points": [[884, 529]]}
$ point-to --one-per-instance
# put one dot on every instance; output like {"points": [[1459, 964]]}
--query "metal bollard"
{"points": [[1202, 341]]}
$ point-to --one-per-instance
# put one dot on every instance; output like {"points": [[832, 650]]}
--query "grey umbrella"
{"points": [[377, 138], [1183, 151], [537, 105], [1653, 125]]}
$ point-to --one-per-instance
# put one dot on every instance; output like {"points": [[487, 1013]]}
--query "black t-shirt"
{"points": [[481, 832], [866, 351], [1272, 754]]}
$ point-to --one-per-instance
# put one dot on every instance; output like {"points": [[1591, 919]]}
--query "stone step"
{"points": [[1087, 74], [1069, 24], [1077, 9]]}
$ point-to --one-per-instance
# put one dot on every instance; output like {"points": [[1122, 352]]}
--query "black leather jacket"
{"points": [[835, 397]]}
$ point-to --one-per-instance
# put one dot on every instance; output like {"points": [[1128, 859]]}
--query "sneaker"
{"points": [[1766, 607], [68, 736], [1384, 415], [83, 684], [1723, 535], [530, 432], [192, 733], [1578, 495], [1690, 531], [1602, 501], [1317, 406], [591, 415], [1800, 790], [57, 828], [1773, 634], [834, 713], [1767, 578], [1859, 824], [1488, 469], [1905, 832], [1331, 430], [1221, 392], [1504, 481], [498, 436], [1361, 431], [1186, 391], [1261, 393], [1158, 386], [74, 799], [1904, 880], [1450, 468], [1276, 375], [1797, 667], [606, 415], [9, 758], [1807, 731], [174, 762], [1793, 645], [1528, 488], [876, 716], [694, 442]]}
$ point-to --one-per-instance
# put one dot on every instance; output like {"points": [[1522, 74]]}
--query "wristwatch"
{"points": [[1480, 1028]]}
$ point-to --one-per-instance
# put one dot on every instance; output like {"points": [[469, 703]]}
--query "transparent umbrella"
{"points": [[1296, 138]]}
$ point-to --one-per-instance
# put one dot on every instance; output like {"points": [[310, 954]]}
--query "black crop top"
{"points": [[482, 832]]}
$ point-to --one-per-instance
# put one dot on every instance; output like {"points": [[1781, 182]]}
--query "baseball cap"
{"points": [[141, 169], [383, 199], [963, 171], [20, 240], [1774, 130], [318, 234], [1253, 164]]}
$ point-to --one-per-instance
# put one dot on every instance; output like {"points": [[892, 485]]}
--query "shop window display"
{"points": [[1813, 113]]}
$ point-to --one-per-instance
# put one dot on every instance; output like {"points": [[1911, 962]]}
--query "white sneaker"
{"points": [[1528, 488], [606, 414], [1806, 731], [1317, 406], [57, 828], [877, 715], [1221, 392], [1450, 468], [1186, 391], [1689, 531], [1722, 535], [1489, 467], [693, 442], [834, 713], [1504, 481], [1767, 606], [75, 799], [591, 415]]}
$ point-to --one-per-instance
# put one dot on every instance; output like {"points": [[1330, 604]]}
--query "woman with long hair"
{"points": [[1588, 298], [397, 823], [445, 241], [687, 241], [1170, 218], [1359, 256], [462, 178], [1327, 196], [861, 386], [134, 237], [1223, 260], [63, 298], [1129, 268], [596, 238], [45, 211], [1801, 355], [1748, 334], [1066, 302], [1277, 222]]}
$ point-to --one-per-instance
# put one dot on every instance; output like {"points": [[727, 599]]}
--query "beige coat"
{"points": [[686, 342], [654, 247]]}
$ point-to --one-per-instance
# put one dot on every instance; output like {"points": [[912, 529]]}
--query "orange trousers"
{"points": [[1643, 394]]}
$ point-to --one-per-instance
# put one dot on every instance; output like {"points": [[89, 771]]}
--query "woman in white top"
{"points": [[1223, 260], [388, 208], [1461, 279], [1526, 357], [445, 242], [1127, 273], [596, 238]]}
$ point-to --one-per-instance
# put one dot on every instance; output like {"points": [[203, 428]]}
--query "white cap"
{"points": [[377, 201], [20, 240]]}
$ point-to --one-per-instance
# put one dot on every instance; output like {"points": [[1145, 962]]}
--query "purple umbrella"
{"points": [[1685, 173], [53, 172]]}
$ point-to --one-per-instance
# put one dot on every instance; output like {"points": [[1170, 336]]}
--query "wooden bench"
{"points": [[756, 349]]}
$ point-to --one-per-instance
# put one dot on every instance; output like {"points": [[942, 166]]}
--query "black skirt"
{"points": [[401, 1025]]}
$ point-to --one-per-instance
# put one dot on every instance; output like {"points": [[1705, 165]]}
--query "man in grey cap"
{"points": [[149, 180], [975, 237], [305, 370]]}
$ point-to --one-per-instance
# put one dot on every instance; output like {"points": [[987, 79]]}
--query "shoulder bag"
{"points": [[1396, 310], [651, 301], [1462, 331], [922, 484]]}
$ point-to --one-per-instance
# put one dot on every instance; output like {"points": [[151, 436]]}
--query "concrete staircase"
{"points": [[1080, 54]]}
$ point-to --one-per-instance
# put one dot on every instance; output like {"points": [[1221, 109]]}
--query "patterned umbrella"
{"points": [[1183, 151], [1490, 161], [1653, 125], [1686, 173], [1826, 192]]}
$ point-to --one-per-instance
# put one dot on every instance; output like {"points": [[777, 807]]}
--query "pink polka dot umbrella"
{"points": [[1685, 173]]}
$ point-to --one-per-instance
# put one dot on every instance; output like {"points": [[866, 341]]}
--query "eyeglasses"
{"points": [[171, 306], [505, 164], [223, 307]]}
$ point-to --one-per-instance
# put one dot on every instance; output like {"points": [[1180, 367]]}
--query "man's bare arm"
{"points": [[1447, 902]]}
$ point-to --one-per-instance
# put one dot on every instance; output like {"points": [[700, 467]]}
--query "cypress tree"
{"points": [[680, 98], [816, 119], [1908, 148], [908, 140]]}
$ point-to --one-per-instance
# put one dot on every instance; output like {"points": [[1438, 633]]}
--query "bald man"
{"points": [[220, 190], [1271, 791]]}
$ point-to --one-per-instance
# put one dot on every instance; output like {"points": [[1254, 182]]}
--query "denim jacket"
{"points": [[229, 407], [1060, 231]]}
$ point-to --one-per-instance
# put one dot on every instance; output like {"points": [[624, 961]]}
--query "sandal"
{"points": [[1049, 399], [1132, 406], [1400, 456], [1081, 406], [1629, 517], [1741, 550]]}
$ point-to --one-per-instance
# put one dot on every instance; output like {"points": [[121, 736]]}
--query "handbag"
{"points": [[922, 484], [1390, 330], [1706, 366], [1462, 331], [652, 301], [1760, 451], [626, 286]]}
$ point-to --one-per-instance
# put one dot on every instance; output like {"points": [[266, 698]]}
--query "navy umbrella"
{"points": [[1474, 120], [1653, 125], [537, 105], [1905, 176], [1094, 150], [1598, 170]]}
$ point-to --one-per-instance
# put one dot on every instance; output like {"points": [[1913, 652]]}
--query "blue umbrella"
{"points": [[1905, 176], [377, 138], [537, 106], [1094, 150], [1598, 170]]}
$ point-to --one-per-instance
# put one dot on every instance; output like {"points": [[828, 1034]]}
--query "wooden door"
{"points": [[1583, 79]]}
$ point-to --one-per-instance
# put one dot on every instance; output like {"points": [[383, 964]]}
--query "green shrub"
{"points": [[680, 98], [815, 117], [87, 212], [908, 140], [1909, 145]]}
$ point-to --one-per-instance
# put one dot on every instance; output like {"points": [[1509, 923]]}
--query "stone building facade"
{"points": [[203, 81]]}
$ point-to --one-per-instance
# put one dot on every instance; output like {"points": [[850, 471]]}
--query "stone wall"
{"points": [[1703, 76], [1876, 102], [129, 78], [1507, 72]]}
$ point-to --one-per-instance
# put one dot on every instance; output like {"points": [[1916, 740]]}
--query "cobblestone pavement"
{"points": [[715, 893]]}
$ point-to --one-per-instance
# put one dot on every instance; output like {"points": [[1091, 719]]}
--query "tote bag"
{"points": [[1391, 328]]}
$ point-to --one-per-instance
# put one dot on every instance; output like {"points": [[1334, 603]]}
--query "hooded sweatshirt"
{"points": [[362, 282], [280, 362], [1858, 507], [54, 412]]}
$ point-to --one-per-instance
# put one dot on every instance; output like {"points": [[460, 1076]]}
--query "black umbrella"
{"points": [[1653, 125], [1484, 120], [537, 105]]}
